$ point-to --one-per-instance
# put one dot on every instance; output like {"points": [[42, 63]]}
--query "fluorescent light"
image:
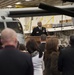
{"points": [[18, 3], [9, 6], [28, 0]]}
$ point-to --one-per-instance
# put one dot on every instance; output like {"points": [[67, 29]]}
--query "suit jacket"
{"points": [[42, 47], [66, 61], [14, 62], [38, 32]]}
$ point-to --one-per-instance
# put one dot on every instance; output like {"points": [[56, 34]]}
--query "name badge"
{"points": [[37, 32], [43, 30]]}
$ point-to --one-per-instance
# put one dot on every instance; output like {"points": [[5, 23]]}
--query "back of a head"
{"points": [[31, 45], [43, 37], [72, 39], [22, 47], [51, 44], [8, 35]]}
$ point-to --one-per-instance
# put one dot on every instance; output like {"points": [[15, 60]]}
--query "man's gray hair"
{"points": [[8, 34], [43, 37]]}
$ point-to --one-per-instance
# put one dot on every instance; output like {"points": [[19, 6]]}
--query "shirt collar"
{"points": [[43, 41]]}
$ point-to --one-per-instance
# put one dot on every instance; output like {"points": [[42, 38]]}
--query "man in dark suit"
{"points": [[12, 61], [43, 42], [66, 59], [37, 31]]}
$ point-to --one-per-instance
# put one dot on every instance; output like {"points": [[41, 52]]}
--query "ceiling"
{"points": [[5, 3]]}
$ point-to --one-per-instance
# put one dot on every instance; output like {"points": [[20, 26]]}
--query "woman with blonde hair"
{"points": [[51, 57]]}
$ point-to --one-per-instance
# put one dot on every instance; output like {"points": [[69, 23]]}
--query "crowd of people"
{"points": [[33, 58]]}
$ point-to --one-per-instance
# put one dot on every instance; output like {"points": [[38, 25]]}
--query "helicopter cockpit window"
{"points": [[16, 26], [1, 26]]}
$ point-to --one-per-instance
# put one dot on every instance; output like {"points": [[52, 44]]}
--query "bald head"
{"points": [[8, 35], [39, 24]]}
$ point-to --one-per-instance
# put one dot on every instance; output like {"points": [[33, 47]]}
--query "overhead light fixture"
{"points": [[9, 6], [28, 0], [18, 3]]}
